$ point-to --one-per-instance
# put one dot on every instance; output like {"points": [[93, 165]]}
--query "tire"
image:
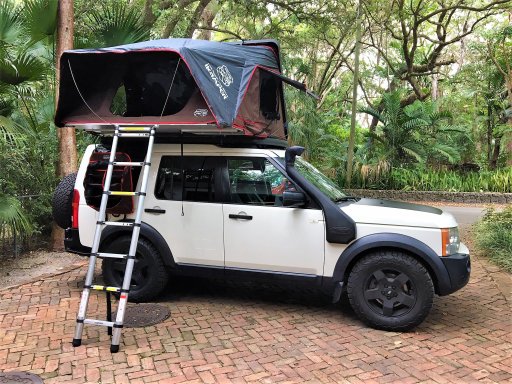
{"points": [[390, 290], [149, 276], [62, 199]]}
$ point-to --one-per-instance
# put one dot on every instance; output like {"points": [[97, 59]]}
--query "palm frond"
{"points": [[10, 28], [23, 68], [414, 152], [12, 215], [450, 153], [116, 24], [40, 17], [372, 112]]}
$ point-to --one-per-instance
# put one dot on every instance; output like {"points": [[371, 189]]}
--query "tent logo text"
{"points": [[200, 112], [216, 80], [225, 75]]}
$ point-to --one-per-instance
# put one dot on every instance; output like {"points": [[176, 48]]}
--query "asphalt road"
{"points": [[465, 215]]}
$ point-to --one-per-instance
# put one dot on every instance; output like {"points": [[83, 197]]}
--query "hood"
{"points": [[388, 212]]}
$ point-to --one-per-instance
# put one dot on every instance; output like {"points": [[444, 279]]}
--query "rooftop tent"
{"points": [[180, 84]]}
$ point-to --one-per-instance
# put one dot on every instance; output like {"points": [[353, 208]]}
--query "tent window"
{"points": [[269, 96], [145, 85], [118, 106]]}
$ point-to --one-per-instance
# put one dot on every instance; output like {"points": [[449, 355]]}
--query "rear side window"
{"points": [[198, 173]]}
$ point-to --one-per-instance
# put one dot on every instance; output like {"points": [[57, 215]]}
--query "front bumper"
{"points": [[72, 243], [458, 267]]}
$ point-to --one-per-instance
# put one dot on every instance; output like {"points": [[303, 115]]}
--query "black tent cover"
{"points": [[221, 71]]}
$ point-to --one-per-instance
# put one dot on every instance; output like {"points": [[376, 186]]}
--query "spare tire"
{"points": [[62, 199]]}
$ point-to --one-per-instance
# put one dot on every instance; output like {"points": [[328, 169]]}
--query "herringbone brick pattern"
{"points": [[220, 332]]}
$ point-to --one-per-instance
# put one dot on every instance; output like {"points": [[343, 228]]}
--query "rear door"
{"points": [[259, 233], [185, 207]]}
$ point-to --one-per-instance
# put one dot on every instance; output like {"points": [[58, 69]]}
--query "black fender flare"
{"points": [[416, 248], [148, 232]]}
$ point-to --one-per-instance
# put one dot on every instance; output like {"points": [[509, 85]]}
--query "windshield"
{"points": [[319, 180]]}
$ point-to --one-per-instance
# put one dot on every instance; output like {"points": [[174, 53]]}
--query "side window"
{"points": [[199, 175], [256, 181]]}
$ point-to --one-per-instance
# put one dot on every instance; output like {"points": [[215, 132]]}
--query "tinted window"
{"points": [[199, 175], [256, 181]]}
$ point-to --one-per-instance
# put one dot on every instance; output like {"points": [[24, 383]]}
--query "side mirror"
{"points": [[294, 199]]}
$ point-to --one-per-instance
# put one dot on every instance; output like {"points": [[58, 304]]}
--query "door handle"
{"points": [[154, 210], [240, 217]]}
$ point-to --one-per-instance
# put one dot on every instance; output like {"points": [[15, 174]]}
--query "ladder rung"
{"points": [[134, 129], [129, 163], [123, 193], [99, 322], [112, 255], [133, 134], [117, 223], [105, 288]]}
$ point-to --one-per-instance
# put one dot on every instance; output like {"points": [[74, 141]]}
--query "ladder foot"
{"points": [[114, 348], [77, 342]]}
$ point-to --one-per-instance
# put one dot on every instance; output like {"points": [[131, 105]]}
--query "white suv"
{"points": [[252, 210]]}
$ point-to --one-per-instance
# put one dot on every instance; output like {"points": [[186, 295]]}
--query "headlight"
{"points": [[450, 241]]}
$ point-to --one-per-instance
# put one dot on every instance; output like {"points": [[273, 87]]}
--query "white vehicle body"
{"points": [[288, 241]]}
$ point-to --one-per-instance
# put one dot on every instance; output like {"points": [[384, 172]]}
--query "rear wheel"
{"points": [[149, 276], [62, 199], [390, 290]]}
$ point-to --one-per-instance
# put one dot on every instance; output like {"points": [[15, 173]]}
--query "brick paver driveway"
{"points": [[235, 333]]}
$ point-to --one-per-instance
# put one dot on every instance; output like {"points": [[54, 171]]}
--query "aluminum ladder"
{"points": [[115, 327]]}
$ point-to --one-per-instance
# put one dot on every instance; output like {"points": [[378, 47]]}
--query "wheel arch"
{"points": [[147, 232], [393, 241]]}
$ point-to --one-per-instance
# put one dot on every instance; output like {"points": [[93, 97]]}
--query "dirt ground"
{"points": [[34, 264]]}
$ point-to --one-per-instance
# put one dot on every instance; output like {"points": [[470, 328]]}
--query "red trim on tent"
{"points": [[141, 122]]}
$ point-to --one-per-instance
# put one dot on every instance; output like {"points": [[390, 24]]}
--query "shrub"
{"points": [[494, 236]]}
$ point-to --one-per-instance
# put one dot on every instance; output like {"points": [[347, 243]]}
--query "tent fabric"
{"points": [[230, 85]]}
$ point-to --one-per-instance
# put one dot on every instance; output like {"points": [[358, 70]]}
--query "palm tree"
{"points": [[26, 62], [416, 132]]}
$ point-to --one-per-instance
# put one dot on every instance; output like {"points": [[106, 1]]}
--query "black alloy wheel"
{"points": [[149, 276], [390, 290]]}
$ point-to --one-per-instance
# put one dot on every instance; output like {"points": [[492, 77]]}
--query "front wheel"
{"points": [[149, 276], [390, 290]]}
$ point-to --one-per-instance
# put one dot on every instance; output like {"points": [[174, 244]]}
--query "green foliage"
{"points": [[115, 23], [12, 217], [10, 28], [452, 181], [417, 132], [40, 18], [494, 236]]}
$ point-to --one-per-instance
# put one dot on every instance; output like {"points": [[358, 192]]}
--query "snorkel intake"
{"points": [[339, 228]]}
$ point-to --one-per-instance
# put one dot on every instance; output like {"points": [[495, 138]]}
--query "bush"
{"points": [[425, 179], [494, 236]]}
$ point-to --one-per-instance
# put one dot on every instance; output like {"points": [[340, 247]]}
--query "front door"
{"points": [[185, 207], [262, 235]]}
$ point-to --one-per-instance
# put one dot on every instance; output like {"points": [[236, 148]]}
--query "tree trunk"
{"points": [[66, 137], [508, 137], [351, 141], [206, 21], [435, 87], [493, 164], [196, 16]]}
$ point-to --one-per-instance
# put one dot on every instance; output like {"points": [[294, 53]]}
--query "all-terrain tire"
{"points": [[62, 199], [149, 276], [390, 290]]}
